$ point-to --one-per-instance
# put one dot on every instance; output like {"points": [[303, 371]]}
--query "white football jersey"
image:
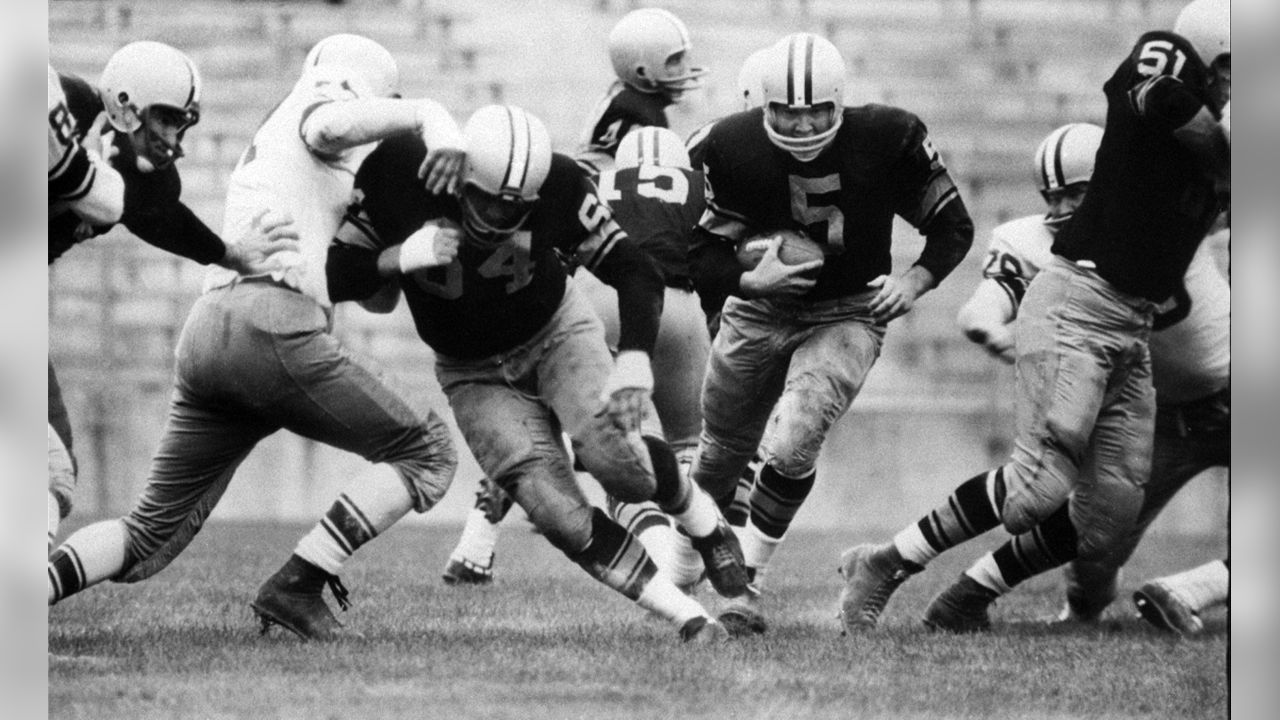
{"points": [[1191, 348], [279, 172]]}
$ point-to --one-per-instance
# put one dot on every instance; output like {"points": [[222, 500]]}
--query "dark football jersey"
{"points": [[1149, 202], [659, 208], [880, 164], [622, 109], [489, 299], [152, 209]]}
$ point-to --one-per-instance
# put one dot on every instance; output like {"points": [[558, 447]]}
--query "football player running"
{"points": [[1082, 359], [519, 352], [649, 49], [257, 353], [111, 161], [796, 341], [656, 197], [1190, 357]]}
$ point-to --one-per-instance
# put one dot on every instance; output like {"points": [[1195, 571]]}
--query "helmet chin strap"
{"points": [[803, 149], [1056, 223]]}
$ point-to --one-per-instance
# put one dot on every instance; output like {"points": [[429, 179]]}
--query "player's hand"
{"points": [[626, 391], [773, 278], [100, 138], [441, 171], [896, 297], [433, 245], [256, 250]]}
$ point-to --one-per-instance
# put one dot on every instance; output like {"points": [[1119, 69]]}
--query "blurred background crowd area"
{"points": [[990, 78]]}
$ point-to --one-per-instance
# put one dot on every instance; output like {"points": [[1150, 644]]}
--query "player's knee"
{"points": [[566, 526]]}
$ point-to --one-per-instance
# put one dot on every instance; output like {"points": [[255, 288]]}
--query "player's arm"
{"points": [[1164, 101], [986, 316], [79, 178], [930, 201], [714, 266], [611, 255], [340, 119]]}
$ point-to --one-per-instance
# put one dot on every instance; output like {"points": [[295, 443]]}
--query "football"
{"points": [[796, 248]]}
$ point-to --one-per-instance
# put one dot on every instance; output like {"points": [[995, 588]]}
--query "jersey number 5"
{"points": [[803, 194]]}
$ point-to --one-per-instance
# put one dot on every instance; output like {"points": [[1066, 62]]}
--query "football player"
{"points": [[257, 353], [1083, 364], [149, 94], [1190, 356], [656, 197], [521, 355], [649, 49], [796, 341]]}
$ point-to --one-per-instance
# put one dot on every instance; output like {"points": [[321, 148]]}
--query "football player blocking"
{"points": [[521, 356], [1132, 248], [250, 333], [127, 133], [649, 51]]}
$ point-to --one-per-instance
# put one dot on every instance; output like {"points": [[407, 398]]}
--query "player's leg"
{"points": [[1174, 602], [630, 466], [471, 561], [62, 483], [1059, 392], [202, 445], [347, 402], [516, 441]]}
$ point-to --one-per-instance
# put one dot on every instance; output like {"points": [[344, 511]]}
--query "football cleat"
{"points": [[871, 574], [460, 571], [744, 616], [722, 556], [1161, 606], [702, 630], [293, 601], [961, 608]]}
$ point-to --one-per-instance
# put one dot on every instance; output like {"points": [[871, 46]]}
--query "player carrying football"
{"points": [[803, 337]]}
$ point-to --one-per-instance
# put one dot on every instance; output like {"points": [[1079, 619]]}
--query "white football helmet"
{"points": [[749, 76], [649, 49], [1206, 24], [148, 74], [366, 58], [803, 71], [1063, 159], [508, 159], [650, 145]]}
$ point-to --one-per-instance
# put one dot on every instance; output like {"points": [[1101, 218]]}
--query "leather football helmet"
{"points": [[650, 145], [508, 159], [649, 49], [802, 71], [1063, 159], [1206, 24], [368, 59]]}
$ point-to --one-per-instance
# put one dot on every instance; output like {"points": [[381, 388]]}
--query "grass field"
{"points": [[547, 642]]}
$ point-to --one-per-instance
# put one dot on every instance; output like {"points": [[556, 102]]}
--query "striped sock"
{"points": [[92, 554], [1044, 547], [776, 499], [970, 511]]}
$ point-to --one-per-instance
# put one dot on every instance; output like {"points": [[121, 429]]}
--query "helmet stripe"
{"points": [[652, 152], [800, 71], [518, 160], [1057, 157], [191, 80], [681, 30]]}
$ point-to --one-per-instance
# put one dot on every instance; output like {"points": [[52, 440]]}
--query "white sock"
{"points": [[987, 573], [479, 538], [96, 553], [913, 547], [373, 504], [702, 515], [757, 550], [55, 519], [661, 597], [1201, 587]]}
